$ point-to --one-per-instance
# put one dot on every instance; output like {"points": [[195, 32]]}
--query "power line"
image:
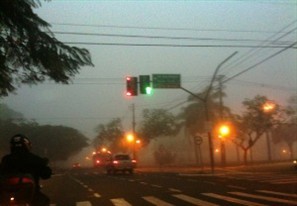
{"points": [[175, 45], [161, 28], [252, 52], [165, 37], [260, 62]]}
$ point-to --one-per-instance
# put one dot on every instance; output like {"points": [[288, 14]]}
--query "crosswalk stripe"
{"points": [[233, 200], [273, 199], [156, 201], [174, 190], [278, 182], [194, 201], [86, 203], [278, 193], [198, 202], [120, 202]]}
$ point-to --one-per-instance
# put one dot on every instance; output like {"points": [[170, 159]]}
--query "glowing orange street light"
{"points": [[268, 106], [224, 130], [130, 137]]}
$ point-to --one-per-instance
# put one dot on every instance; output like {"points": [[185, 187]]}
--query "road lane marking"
{"points": [[194, 201], [174, 190], [156, 201], [120, 202], [233, 200], [278, 193], [283, 182], [157, 186], [86, 203], [273, 199], [236, 187], [211, 183], [97, 195]]}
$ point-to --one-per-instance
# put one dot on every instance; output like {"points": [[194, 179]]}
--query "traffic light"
{"points": [[145, 84], [131, 83]]}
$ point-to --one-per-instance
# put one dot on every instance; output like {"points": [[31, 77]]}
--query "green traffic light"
{"points": [[148, 90]]}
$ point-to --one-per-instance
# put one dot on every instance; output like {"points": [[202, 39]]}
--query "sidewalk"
{"points": [[261, 167]]}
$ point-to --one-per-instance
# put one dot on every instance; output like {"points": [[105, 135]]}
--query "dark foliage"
{"points": [[29, 52]]}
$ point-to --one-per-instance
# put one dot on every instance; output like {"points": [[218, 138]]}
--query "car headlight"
{"points": [[295, 162]]}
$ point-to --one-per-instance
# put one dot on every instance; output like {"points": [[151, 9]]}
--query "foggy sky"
{"points": [[97, 93]]}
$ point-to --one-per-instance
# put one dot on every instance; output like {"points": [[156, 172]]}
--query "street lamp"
{"points": [[224, 131], [268, 106], [131, 139]]}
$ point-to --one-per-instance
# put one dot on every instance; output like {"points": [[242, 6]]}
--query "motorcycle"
{"points": [[16, 190]]}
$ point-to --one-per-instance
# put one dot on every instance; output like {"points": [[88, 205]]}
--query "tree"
{"points": [[254, 122], [287, 130], [29, 52], [164, 156], [111, 135], [9, 114], [156, 123], [194, 115], [56, 142]]}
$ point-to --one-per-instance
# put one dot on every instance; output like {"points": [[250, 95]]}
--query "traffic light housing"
{"points": [[131, 83], [145, 84]]}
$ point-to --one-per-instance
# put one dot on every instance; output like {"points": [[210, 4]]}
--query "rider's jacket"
{"points": [[26, 162]]}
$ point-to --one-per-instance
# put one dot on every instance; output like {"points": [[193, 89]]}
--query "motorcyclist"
{"points": [[21, 160]]}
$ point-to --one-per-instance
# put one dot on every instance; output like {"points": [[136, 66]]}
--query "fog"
{"points": [[97, 94]]}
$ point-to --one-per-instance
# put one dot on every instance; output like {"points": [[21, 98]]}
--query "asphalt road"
{"points": [[180, 187]]}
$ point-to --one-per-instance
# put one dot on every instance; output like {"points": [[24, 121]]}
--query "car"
{"points": [[100, 159], [120, 163], [76, 165]]}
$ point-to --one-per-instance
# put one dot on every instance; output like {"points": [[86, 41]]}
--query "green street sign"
{"points": [[166, 81]]}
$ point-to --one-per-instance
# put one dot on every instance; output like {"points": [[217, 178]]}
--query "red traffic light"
{"points": [[131, 84]]}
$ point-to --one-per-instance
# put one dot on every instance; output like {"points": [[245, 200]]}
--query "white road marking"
{"points": [[86, 203], [174, 190], [236, 187], [273, 199], [156, 201], [194, 201], [157, 186], [120, 202], [278, 193], [97, 195], [233, 200]]}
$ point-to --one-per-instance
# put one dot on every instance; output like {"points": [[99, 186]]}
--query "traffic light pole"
{"points": [[204, 100]]}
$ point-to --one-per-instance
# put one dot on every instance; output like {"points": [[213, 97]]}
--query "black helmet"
{"points": [[20, 142]]}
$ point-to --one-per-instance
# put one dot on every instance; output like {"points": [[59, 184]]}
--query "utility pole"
{"points": [[133, 118], [207, 118]]}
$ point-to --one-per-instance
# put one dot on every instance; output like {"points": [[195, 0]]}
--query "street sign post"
{"points": [[198, 139], [166, 81]]}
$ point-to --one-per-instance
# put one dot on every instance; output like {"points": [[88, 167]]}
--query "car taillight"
{"points": [[115, 162], [133, 161], [97, 161]]}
